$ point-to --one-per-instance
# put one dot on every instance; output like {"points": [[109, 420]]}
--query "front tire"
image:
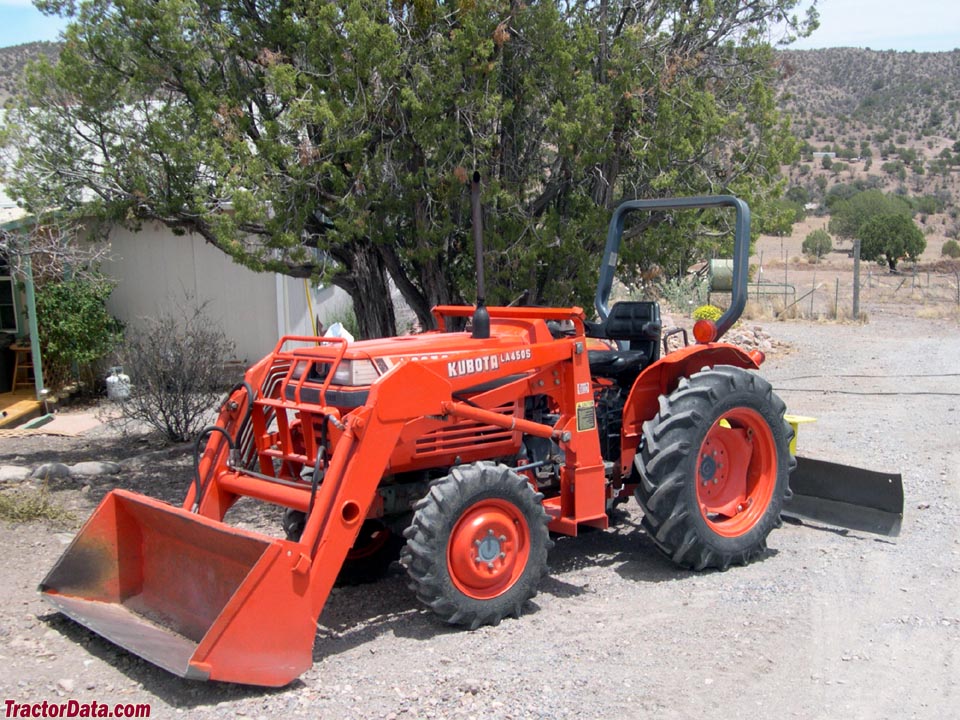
{"points": [[477, 547], [713, 468]]}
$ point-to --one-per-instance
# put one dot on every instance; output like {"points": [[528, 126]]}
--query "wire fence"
{"points": [[830, 293]]}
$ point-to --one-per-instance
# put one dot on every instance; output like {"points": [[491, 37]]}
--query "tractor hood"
{"points": [[340, 374]]}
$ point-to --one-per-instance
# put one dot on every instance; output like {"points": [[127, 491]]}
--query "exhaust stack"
{"points": [[481, 318]]}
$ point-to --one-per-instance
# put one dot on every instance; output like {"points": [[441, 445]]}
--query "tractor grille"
{"points": [[466, 436]]}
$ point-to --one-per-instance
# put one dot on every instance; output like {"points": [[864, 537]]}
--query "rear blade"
{"points": [[846, 496]]}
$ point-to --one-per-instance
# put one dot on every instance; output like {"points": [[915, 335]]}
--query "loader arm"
{"points": [[205, 600]]}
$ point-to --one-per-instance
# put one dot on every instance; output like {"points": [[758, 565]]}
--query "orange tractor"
{"points": [[467, 447]]}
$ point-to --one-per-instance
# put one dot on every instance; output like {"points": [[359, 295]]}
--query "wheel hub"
{"points": [[708, 468], [736, 472], [488, 549]]}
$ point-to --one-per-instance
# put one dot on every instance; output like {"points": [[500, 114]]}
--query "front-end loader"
{"points": [[464, 447]]}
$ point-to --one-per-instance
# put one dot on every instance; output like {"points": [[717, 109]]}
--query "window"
{"points": [[8, 308]]}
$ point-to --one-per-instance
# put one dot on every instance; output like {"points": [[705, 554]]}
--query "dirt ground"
{"points": [[827, 624]]}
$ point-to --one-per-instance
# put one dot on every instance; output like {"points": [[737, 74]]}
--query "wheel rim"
{"points": [[488, 549], [371, 539], [736, 472]]}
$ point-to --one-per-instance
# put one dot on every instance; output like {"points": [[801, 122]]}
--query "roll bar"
{"points": [[741, 248]]}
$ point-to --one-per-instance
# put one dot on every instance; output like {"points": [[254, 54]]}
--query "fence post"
{"points": [[836, 300], [856, 280]]}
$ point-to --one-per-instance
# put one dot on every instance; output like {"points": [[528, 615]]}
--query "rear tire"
{"points": [[477, 547], [713, 468]]}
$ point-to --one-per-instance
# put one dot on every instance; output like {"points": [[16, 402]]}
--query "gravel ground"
{"points": [[828, 624]]}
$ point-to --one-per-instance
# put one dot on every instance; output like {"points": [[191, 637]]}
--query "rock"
{"points": [[94, 468], [13, 473], [50, 471], [66, 684], [470, 686]]}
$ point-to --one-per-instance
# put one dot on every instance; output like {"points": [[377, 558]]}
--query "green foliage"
{"points": [[707, 312], [817, 244], [840, 192], [887, 238], [682, 293], [75, 327], [779, 217], [29, 505], [798, 194], [951, 249], [342, 134], [848, 216]]}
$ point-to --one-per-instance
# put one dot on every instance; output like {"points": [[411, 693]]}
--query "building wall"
{"points": [[158, 272]]}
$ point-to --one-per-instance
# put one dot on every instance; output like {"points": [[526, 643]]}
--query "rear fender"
{"points": [[662, 378]]}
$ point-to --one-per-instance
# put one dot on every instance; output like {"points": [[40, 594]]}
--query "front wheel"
{"points": [[713, 468], [477, 548]]}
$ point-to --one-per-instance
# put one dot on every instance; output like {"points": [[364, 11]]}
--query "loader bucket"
{"points": [[198, 598]]}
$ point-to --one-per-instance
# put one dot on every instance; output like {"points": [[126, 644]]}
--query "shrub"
{"points": [[680, 293], [707, 312], [74, 326], [951, 248], [175, 363], [817, 244]]}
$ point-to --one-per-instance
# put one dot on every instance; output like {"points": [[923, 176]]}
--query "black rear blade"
{"points": [[846, 496]]}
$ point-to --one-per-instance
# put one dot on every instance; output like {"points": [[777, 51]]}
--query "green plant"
{"points": [[951, 248], [29, 505], [707, 312], [817, 244], [75, 328], [682, 292]]}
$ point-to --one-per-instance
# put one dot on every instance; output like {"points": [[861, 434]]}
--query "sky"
{"points": [[921, 25]]}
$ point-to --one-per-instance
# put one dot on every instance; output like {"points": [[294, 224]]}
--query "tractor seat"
{"points": [[620, 365], [635, 326]]}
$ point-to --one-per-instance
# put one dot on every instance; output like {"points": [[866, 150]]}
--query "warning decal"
{"points": [[586, 416]]}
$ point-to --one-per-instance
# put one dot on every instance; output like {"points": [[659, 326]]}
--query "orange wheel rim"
{"points": [[488, 549], [370, 540], [736, 472]]}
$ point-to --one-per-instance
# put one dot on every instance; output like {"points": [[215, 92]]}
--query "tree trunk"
{"points": [[365, 280]]}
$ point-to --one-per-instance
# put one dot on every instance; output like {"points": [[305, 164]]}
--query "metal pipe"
{"points": [[481, 317], [507, 422]]}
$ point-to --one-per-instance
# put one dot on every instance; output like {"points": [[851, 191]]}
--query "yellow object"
{"points": [[795, 422]]}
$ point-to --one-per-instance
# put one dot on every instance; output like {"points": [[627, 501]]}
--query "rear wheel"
{"points": [[477, 548], [713, 468]]}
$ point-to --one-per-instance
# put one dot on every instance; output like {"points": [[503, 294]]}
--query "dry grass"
{"points": [[28, 505]]}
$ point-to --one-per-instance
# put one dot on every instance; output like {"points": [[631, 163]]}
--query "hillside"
{"points": [[14, 58], [887, 120]]}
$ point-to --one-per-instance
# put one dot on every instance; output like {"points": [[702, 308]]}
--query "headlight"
{"points": [[355, 373]]}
